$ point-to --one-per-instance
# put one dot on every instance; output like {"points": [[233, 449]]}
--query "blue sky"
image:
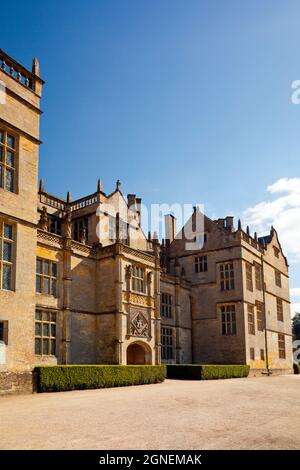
{"points": [[185, 102]]}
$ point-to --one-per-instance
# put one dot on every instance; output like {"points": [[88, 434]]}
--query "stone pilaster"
{"points": [[119, 303], [177, 311], [157, 302], [67, 280]]}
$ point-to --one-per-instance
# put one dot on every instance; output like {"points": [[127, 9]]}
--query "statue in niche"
{"points": [[68, 223], [43, 222]]}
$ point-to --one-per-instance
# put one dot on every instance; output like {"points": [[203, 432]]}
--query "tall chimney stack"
{"points": [[170, 227]]}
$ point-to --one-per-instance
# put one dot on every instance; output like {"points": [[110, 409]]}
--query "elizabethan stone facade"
{"points": [[80, 283]]}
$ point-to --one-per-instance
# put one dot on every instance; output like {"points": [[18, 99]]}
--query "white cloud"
{"points": [[295, 308], [295, 292], [285, 185], [283, 212]]}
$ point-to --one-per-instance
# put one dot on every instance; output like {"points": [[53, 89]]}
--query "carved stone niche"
{"points": [[138, 323]]}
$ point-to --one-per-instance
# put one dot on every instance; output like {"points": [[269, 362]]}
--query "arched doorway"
{"points": [[138, 354]]}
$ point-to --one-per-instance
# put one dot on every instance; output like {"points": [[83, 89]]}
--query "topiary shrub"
{"points": [[296, 368], [78, 377], [206, 372]]}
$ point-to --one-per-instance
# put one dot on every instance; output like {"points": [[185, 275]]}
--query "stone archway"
{"points": [[139, 353]]}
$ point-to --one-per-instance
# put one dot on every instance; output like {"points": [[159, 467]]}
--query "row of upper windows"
{"points": [[46, 270], [81, 228], [255, 322], [227, 274]]}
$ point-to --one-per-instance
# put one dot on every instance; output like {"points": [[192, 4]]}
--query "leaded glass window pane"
{"points": [[7, 251], [8, 231], [10, 141]]}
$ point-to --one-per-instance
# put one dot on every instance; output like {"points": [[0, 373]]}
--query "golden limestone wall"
{"points": [[19, 116], [99, 316]]}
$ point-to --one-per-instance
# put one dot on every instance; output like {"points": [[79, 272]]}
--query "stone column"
{"points": [[119, 304], [177, 311], [67, 279], [157, 320]]}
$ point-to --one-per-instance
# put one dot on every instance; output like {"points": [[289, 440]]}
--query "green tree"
{"points": [[296, 326]]}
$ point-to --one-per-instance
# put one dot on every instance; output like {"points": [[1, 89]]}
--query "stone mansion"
{"points": [[68, 296]]}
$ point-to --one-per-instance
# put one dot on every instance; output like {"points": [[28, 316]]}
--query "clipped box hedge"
{"points": [[206, 372], [78, 377], [296, 368]]}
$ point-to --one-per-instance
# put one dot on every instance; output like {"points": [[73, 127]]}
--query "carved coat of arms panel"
{"points": [[138, 323]]}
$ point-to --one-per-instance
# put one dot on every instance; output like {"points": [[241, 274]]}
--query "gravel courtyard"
{"points": [[254, 413]]}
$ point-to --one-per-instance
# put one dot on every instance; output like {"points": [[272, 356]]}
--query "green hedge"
{"points": [[206, 372], [78, 377], [296, 368]]}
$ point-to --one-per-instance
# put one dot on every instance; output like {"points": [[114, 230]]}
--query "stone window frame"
{"points": [[201, 264], [4, 331], [262, 355], [279, 309], [55, 224], [45, 318], [4, 166], [251, 319], [249, 276], [281, 346], [9, 241], [167, 343], [166, 305], [227, 279], [123, 230], [138, 279], [258, 276], [260, 317], [228, 319], [53, 279], [252, 354], [278, 278]]}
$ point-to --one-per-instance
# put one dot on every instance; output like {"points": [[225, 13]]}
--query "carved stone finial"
{"points": [[99, 186], [42, 186], [255, 236], [248, 230], [239, 224], [43, 222], [36, 67], [118, 185], [69, 197]]}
